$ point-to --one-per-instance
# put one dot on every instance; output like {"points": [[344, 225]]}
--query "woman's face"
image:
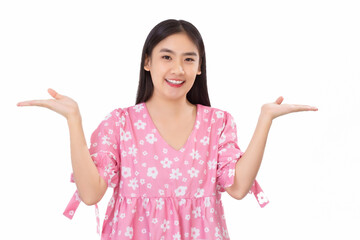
{"points": [[174, 58]]}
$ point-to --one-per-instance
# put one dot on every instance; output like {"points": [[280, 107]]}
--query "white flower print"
{"points": [[159, 203], [207, 202], [125, 172], [133, 183], [124, 135], [222, 138], [180, 191], [197, 124], [166, 163], [149, 185], [150, 138], [132, 150], [199, 193], [225, 233], [177, 236], [122, 216], [140, 124], [115, 219], [176, 222], [184, 179], [187, 217], [262, 198], [105, 140], [161, 192], [222, 151], [205, 140], [176, 159], [218, 234], [165, 150], [154, 220], [219, 114], [197, 212], [138, 107], [182, 201], [212, 164], [152, 172], [141, 142], [142, 181], [111, 202], [193, 172], [175, 174], [166, 186], [231, 172], [145, 202], [195, 154], [143, 230], [129, 232], [122, 120], [195, 232]]}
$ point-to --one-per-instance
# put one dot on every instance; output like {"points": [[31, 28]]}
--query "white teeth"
{"points": [[174, 81]]}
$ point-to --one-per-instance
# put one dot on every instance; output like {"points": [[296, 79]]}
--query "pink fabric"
{"points": [[161, 192]]}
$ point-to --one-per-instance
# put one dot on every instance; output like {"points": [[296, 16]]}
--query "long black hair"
{"points": [[199, 92]]}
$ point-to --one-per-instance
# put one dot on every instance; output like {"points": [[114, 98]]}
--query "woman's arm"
{"points": [[91, 186], [248, 165]]}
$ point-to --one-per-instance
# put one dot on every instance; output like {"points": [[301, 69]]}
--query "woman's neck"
{"points": [[171, 109]]}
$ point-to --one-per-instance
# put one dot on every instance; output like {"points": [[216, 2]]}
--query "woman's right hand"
{"points": [[61, 104]]}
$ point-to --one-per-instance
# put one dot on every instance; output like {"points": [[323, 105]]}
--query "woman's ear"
{"points": [[147, 63], [199, 70]]}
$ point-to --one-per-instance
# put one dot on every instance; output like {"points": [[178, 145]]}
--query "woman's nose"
{"points": [[177, 68]]}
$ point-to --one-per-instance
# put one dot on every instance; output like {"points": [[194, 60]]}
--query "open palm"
{"points": [[61, 104], [276, 109]]}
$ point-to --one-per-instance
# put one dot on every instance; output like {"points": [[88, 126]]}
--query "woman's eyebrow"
{"points": [[185, 54]]}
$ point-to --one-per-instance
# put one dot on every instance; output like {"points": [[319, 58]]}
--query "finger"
{"points": [[39, 103], [298, 108], [279, 100], [54, 94]]}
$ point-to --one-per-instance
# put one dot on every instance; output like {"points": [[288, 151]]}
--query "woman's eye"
{"points": [[190, 60], [166, 57]]}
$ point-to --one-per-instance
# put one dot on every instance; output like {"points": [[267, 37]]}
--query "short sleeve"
{"points": [[105, 147], [228, 153]]}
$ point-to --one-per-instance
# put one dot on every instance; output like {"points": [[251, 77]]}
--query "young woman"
{"points": [[170, 155]]}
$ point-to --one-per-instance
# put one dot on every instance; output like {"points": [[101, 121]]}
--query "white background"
{"points": [[306, 51]]}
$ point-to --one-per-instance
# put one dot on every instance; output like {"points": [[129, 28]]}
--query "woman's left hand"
{"points": [[276, 109]]}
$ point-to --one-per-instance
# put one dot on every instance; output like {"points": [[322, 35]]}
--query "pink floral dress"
{"points": [[160, 192]]}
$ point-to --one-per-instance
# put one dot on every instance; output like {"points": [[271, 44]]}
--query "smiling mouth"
{"points": [[177, 82]]}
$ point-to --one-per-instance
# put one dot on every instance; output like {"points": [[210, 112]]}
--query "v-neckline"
{"points": [[163, 140]]}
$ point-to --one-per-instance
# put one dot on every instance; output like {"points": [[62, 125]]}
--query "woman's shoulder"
{"points": [[219, 112]]}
